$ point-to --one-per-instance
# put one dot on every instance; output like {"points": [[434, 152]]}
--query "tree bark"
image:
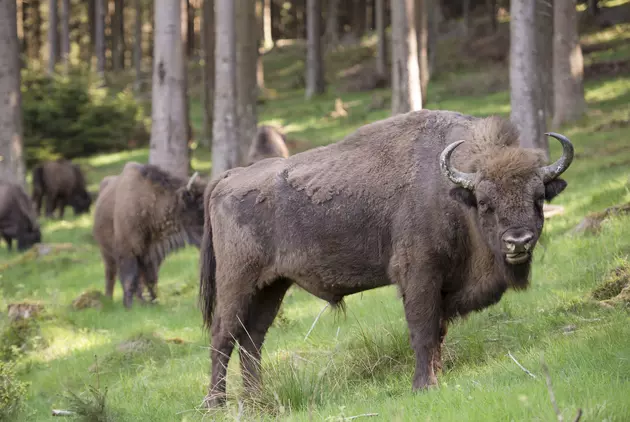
{"points": [[466, 17], [491, 5], [332, 23], [526, 97], [11, 147], [267, 34], [568, 65], [190, 32], [593, 8], [207, 39], [184, 18], [381, 49], [434, 17], [226, 152], [422, 24], [358, 18], [369, 15], [246, 84], [65, 34], [99, 33], [169, 146], [118, 36], [544, 32], [91, 5], [315, 83], [53, 36], [137, 46], [406, 90], [37, 31]]}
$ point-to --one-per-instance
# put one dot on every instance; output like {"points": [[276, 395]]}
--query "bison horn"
{"points": [[465, 180], [554, 170], [192, 179]]}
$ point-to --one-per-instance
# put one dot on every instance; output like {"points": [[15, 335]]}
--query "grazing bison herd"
{"points": [[447, 207]]}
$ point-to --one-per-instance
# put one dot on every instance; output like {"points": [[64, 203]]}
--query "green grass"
{"points": [[154, 360]]}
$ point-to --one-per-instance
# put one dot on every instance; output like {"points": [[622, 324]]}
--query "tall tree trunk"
{"points": [[207, 39], [53, 36], [246, 86], [491, 5], [434, 16], [544, 33], [369, 15], [332, 23], [92, 25], [466, 18], [36, 28], [406, 93], [184, 39], [422, 24], [526, 97], [266, 15], [118, 36], [137, 46], [11, 150], [22, 17], [65, 34], [381, 50], [358, 18], [593, 8], [169, 146], [226, 152], [568, 65], [315, 83], [190, 32], [99, 29]]}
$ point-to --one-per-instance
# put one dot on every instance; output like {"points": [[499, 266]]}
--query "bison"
{"points": [[140, 216], [62, 183], [446, 206], [267, 143], [17, 217]]}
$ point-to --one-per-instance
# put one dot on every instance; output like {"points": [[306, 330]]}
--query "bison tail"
{"points": [[207, 277]]}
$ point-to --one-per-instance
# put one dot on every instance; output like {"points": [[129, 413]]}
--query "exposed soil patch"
{"points": [[592, 222]]}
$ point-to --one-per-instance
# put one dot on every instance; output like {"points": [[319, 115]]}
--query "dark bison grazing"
{"points": [[268, 142], [446, 206], [17, 217], [140, 216], [62, 183]]}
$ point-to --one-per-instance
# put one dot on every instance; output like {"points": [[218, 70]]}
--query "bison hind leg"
{"points": [[129, 272], [110, 275]]}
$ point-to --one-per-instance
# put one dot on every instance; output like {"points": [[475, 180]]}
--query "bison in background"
{"points": [[62, 183], [140, 216], [446, 206], [17, 217], [267, 143]]}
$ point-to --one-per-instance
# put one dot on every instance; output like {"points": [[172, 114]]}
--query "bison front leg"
{"points": [[437, 356], [51, 202], [129, 272], [110, 275]]}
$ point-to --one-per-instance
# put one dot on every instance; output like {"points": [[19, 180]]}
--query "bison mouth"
{"points": [[516, 258]]}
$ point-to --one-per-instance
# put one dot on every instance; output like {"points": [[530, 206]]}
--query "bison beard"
{"points": [[400, 201]]}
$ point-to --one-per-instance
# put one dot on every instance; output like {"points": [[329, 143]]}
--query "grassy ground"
{"points": [[153, 361]]}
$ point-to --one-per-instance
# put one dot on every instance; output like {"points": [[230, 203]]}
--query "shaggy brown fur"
{"points": [[141, 216], [106, 180], [17, 217], [371, 210], [268, 142], [62, 183]]}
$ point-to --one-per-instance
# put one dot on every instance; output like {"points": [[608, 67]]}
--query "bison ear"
{"points": [[554, 188], [463, 195]]}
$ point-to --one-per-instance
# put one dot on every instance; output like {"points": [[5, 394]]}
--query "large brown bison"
{"points": [[446, 206], [17, 218], [267, 143], [62, 183], [140, 216]]}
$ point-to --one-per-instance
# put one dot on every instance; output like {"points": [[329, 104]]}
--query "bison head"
{"points": [[81, 202], [507, 195], [190, 205], [29, 238]]}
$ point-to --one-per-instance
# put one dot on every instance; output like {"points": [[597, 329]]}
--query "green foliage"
{"points": [[18, 337], [12, 392], [72, 117]]}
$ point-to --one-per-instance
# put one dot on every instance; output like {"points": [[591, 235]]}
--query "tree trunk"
{"points": [[246, 86], [53, 36], [422, 24], [65, 34], [568, 65], [266, 18], [11, 149], [99, 29], [544, 32], [190, 32], [207, 39], [184, 17], [315, 83], [358, 18], [466, 18], [169, 146], [491, 5], [369, 15], [137, 46], [118, 36], [526, 97], [92, 25], [381, 50], [37, 31], [434, 17], [332, 23], [406, 94], [593, 8], [226, 152]]}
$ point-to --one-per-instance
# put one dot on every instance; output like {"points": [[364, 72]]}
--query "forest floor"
{"points": [[153, 361]]}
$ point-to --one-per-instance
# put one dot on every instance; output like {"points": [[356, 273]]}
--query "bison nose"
{"points": [[518, 240]]}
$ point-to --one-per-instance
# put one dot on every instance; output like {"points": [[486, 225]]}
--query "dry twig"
{"points": [[364, 415], [521, 366], [58, 412], [552, 396], [315, 322]]}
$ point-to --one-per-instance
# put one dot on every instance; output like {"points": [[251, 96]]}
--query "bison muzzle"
{"points": [[446, 206]]}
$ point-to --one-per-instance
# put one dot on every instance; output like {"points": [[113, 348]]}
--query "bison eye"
{"points": [[484, 206]]}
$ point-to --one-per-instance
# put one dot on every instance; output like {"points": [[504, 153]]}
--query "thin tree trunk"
{"points": [[433, 14], [422, 23], [207, 39], [11, 147], [406, 90], [369, 15], [466, 17], [137, 46], [37, 31], [226, 152], [22, 17], [267, 35], [184, 39], [92, 25], [593, 8], [315, 83], [358, 18], [53, 36], [332, 23], [544, 32], [491, 5], [568, 65], [190, 32], [118, 36], [100, 37], [381, 51], [65, 34], [169, 146], [526, 97], [246, 86]]}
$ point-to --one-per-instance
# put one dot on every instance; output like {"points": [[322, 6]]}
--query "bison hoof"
{"points": [[213, 401]]}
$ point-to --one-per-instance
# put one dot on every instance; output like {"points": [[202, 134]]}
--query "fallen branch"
{"points": [[315, 322], [521, 366], [364, 415], [58, 412], [552, 396]]}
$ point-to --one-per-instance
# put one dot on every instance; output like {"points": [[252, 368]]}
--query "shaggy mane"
{"points": [[160, 177]]}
